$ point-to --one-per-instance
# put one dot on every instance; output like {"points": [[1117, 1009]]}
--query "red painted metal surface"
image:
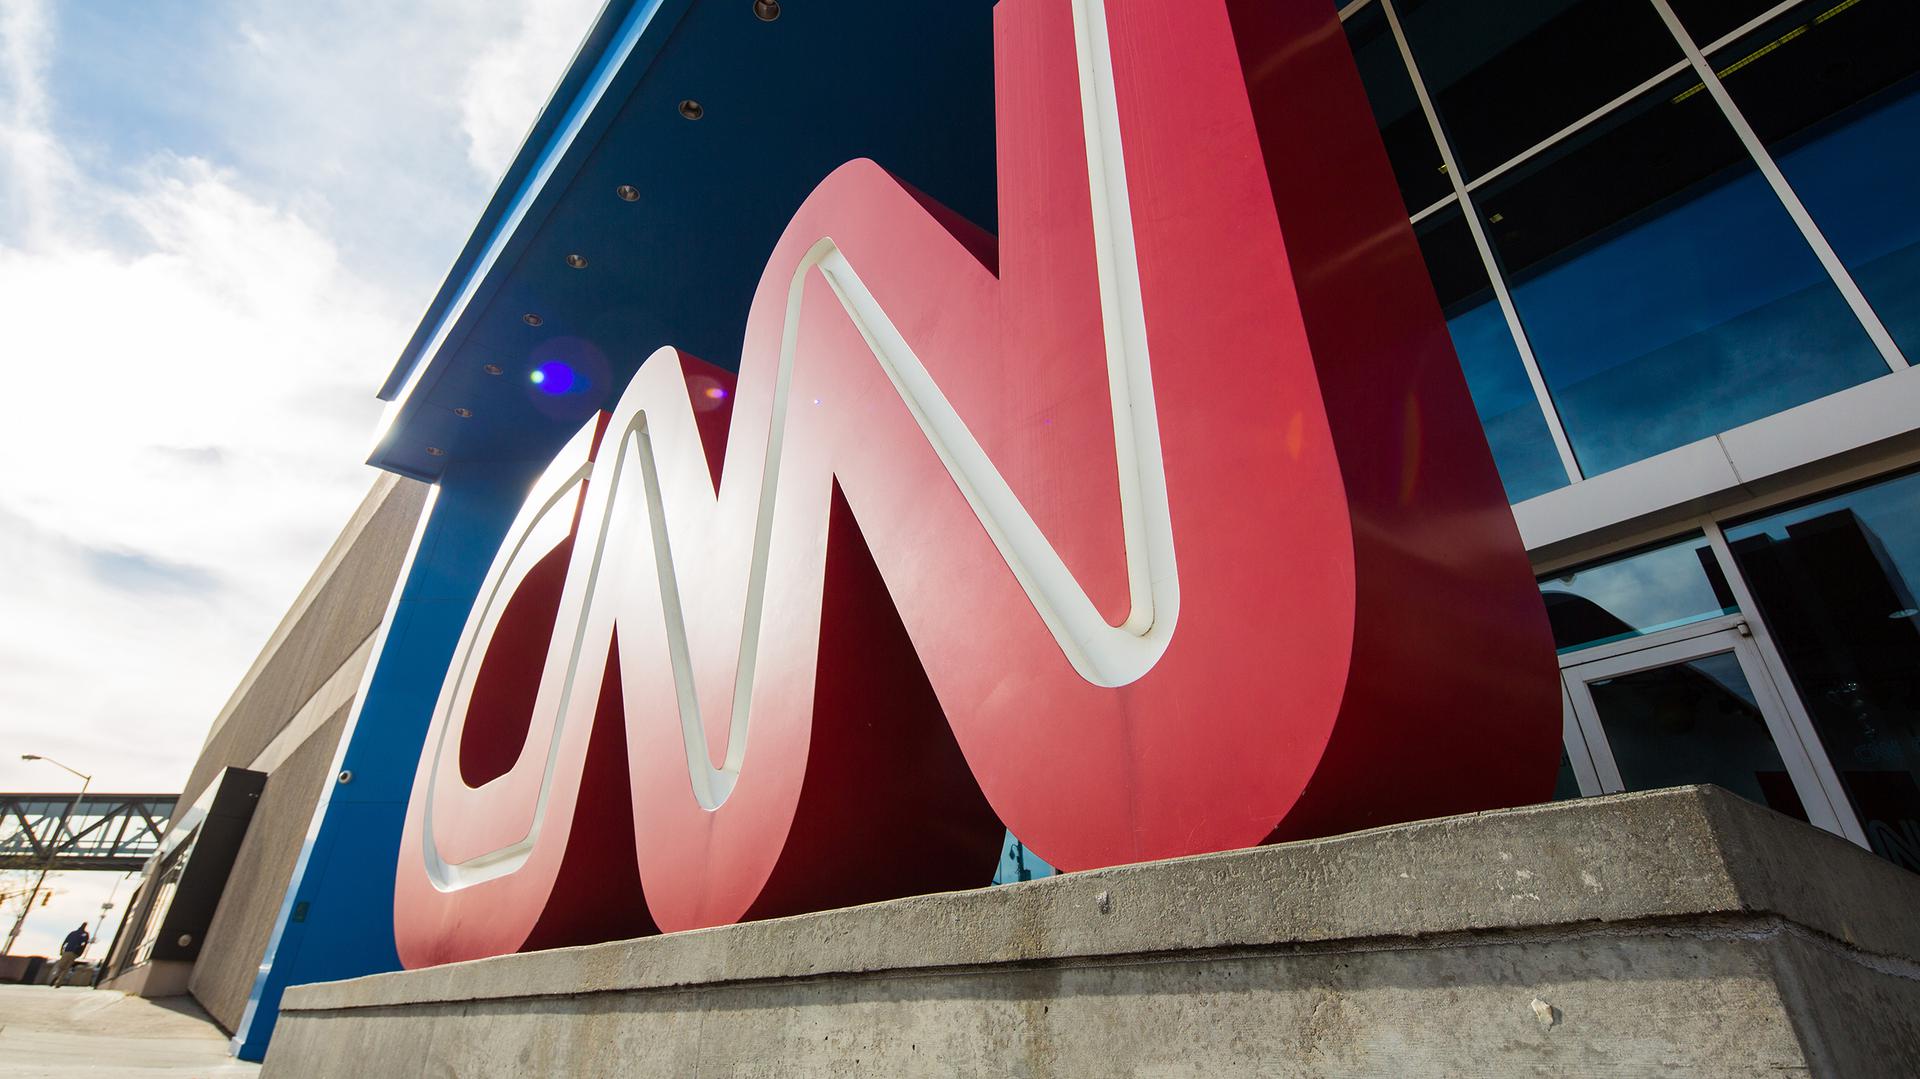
{"points": [[1350, 629]]}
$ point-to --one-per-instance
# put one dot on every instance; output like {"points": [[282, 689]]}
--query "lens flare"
{"points": [[553, 377]]}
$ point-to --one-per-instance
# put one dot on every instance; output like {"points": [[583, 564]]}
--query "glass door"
{"points": [[1696, 710]]}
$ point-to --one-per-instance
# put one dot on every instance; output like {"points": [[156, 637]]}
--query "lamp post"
{"points": [[53, 845]]}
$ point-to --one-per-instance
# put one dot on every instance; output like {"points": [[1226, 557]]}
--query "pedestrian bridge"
{"points": [[116, 832]]}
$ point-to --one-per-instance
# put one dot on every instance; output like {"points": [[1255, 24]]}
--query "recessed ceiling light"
{"points": [[491, 369], [578, 262], [463, 413], [627, 193], [435, 451], [766, 10], [531, 319], [692, 109]]}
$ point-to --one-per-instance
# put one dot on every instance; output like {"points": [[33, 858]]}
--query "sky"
{"points": [[219, 222]]}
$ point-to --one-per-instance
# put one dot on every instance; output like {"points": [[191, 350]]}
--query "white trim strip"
{"points": [[1750, 25], [1799, 720], [334, 694], [1622, 101], [1434, 209], [1837, 270], [1574, 128], [1494, 276], [1600, 113], [243, 1033]]}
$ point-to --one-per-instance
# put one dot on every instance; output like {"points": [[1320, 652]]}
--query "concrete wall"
{"points": [[243, 923], [1681, 931], [285, 718], [160, 978]]}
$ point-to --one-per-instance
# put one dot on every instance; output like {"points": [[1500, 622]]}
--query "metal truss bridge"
{"points": [[100, 831]]}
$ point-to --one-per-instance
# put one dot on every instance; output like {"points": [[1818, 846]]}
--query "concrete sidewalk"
{"points": [[59, 1033]]}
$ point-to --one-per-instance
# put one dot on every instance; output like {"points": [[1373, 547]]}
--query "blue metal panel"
{"points": [[336, 920], [549, 136], [565, 133], [910, 86]]}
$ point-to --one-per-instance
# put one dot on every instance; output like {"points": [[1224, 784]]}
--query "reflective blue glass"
{"points": [[1667, 294], [1696, 721], [1396, 110], [1017, 863], [1836, 580], [1834, 92], [1636, 594], [1858, 183], [1505, 75], [1708, 20], [1509, 412], [1566, 785]]}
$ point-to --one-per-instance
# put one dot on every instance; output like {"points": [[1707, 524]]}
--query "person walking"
{"points": [[70, 952]]}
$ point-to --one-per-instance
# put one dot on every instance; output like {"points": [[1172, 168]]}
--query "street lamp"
{"points": [[53, 845]]}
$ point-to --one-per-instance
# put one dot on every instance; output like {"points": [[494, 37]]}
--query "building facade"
{"points": [[200, 921], [1677, 253], [1676, 244]]}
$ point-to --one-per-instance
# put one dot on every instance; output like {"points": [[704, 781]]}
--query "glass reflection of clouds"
{"points": [[1715, 312], [1831, 90], [1635, 595], [1509, 412], [1665, 290]]}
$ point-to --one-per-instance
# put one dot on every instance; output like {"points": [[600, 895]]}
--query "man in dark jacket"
{"points": [[70, 952]]}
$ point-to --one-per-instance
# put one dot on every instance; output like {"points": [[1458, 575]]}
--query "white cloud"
{"points": [[29, 162], [190, 341], [513, 70]]}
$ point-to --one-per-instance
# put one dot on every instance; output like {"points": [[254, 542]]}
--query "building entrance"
{"points": [[1693, 705], [1824, 658]]}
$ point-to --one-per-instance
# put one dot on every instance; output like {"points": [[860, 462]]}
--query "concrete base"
{"points": [[15, 969], [155, 978], [88, 1033], [1685, 931]]}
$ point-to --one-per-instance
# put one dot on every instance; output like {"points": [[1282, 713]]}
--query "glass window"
{"points": [[1505, 76], [1566, 786], [1666, 293], [1833, 89], [1634, 595], [1693, 722], [1403, 125], [1017, 863], [165, 890], [1707, 21], [1509, 411], [1835, 581]]}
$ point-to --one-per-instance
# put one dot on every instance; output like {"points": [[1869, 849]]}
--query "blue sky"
{"points": [[218, 223]]}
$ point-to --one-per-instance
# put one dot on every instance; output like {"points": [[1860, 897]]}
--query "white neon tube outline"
{"points": [[1104, 654]]}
